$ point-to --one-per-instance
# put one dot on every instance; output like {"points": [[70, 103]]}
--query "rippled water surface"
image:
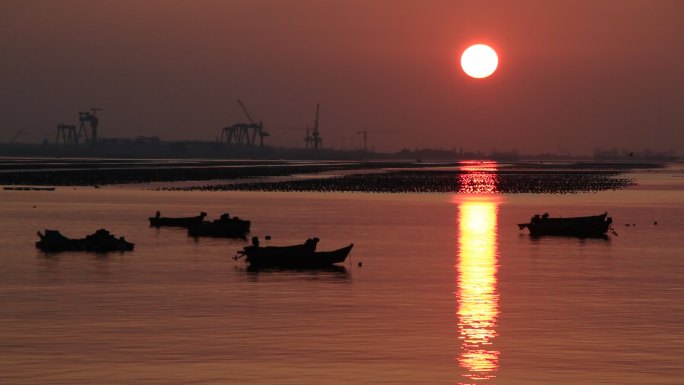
{"points": [[449, 291]]}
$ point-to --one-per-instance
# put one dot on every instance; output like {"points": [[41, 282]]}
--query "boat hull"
{"points": [[589, 226], [299, 256]]}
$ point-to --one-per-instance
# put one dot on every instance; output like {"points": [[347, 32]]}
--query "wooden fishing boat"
{"points": [[226, 226], [100, 241], [159, 221], [295, 256], [589, 226]]}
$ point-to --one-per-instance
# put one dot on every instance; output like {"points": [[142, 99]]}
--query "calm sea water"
{"points": [[449, 291]]}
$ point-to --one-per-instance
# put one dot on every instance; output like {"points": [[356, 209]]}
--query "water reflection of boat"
{"points": [[159, 221], [589, 226], [100, 241], [298, 256], [332, 270]]}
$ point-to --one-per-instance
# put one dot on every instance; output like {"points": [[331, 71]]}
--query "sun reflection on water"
{"points": [[477, 293], [478, 178]]}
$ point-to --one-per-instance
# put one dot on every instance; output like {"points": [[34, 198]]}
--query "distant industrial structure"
{"points": [[244, 134], [89, 119], [68, 134], [313, 140], [87, 129]]}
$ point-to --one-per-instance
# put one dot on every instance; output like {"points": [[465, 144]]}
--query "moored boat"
{"points": [[588, 226], [226, 226], [100, 241], [295, 256], [159, 221]]}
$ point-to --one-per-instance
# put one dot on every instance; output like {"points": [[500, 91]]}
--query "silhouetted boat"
{"points": [[159, 221], [223, 227], [295, 256], [99, 241], [590, 226]]}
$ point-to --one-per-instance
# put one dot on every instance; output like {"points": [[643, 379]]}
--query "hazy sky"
{"points": [[573, 75]]}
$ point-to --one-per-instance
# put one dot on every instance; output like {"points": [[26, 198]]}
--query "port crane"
{"points": [[68, 134], [244, 133], [89, 122], [313, 138]]}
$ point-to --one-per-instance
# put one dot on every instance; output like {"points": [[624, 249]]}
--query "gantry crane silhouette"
{"points": [[68, 134], [244, 133], [88, 121], [87, 129]]}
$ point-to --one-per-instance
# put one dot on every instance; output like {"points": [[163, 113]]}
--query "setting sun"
{"points": [[479, 61]]}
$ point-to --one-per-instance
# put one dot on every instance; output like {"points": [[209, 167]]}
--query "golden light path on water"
{"points": [[477, 178], [478, 298]]}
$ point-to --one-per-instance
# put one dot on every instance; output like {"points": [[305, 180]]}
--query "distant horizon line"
{"points": [[153, 147]]}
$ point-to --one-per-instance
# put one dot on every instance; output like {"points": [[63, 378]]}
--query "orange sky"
{"points": [[574, 75]]}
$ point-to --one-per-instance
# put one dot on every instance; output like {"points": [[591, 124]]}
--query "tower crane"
{"points": [[314, 141], [312, 137]]}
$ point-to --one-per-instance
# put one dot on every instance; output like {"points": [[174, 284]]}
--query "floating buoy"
{"points": [[360, 264], [268, 237]]}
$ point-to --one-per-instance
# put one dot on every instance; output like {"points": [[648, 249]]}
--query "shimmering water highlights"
{"points": [[450, 291], [477, 290]]}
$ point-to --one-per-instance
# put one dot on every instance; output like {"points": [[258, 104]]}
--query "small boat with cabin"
{"points": [[586, 227]]}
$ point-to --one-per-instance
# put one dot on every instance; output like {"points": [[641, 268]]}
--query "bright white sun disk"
{"points": [[479, 61]]}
